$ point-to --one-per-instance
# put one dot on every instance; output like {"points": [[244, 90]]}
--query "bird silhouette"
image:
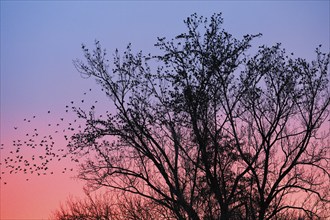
{"points": [[44, 151]]}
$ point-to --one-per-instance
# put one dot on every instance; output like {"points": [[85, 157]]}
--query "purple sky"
{"points": [[40, 39]]}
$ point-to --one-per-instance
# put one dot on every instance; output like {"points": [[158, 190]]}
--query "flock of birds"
{"points": [[35, 153]]}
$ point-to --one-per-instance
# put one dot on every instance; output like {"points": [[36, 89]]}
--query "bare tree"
{"points": [[100, 207], [211, 133], [106, 206]]}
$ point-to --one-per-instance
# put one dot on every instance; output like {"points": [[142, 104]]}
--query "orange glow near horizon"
{"points": [[36, 198]]}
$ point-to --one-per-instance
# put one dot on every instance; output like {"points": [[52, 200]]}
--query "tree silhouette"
{"points": [[92, 207], [211, 132], [109, 206], [205, 131]]}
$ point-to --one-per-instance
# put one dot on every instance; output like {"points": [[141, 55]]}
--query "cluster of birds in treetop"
{"points": [[34, 152]]}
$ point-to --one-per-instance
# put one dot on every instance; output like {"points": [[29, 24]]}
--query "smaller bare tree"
{"points": [[108, 206], [100, 207]]}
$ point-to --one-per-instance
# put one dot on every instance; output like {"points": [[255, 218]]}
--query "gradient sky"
{"points": [[39, 40]]}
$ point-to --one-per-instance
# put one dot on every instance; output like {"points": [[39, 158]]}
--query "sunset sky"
{"points": [[39, 40]]}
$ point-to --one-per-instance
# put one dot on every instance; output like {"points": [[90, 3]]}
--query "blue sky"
{"points": [[39, 40]]}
